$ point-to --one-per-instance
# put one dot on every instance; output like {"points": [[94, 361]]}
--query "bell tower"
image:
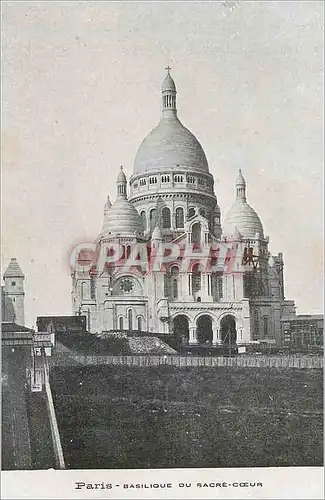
{"points": [[14, 292]]}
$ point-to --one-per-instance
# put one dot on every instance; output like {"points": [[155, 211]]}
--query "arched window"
{"points": [[153, 218], [92, 287], [128, 251], [196, 278], [174, 271], [265, 325], [139, 323], [165, 215], [110, 251], [120, 323], [123, 252], [130, 319], [178, 178], [191, 212], [83, 290], [166, 285], [217, 285], [196, 233], [202, 212], [143, 220], [220, 286], [179, 217], [175, 288], [256, 324]]}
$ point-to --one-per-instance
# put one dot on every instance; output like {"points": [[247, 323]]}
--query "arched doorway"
{"points": [[228, 332], [181, 329], [204, 331]]}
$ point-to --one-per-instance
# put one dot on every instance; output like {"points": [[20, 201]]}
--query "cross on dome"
{"points": [[168, 89]]}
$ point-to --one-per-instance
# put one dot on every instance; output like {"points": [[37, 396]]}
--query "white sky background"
{"points": [[81, 89]]}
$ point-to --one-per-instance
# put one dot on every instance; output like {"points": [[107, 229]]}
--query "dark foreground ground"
{"points": [[125, 417]]}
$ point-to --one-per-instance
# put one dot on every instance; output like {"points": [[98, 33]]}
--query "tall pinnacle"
{"points": [[240, 187], [168, 90], [107, 205], [121, 184]]}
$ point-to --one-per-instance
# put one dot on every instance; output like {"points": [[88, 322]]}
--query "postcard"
{"points": [[162, 240]]}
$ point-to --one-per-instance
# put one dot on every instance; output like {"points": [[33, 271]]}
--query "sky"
{"points": [[81, 89]]}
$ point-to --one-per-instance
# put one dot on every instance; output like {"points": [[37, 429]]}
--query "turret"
{"points": [[121, 218], [240, 187], [156, 237], [107, 206], [121, 184], [241, 216], [14, 291], [168, 90]]}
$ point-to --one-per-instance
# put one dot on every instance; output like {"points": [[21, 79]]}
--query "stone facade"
{"points": [[237, 298]]}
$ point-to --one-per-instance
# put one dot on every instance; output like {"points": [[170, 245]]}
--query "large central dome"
{"points": [[170, 144]]}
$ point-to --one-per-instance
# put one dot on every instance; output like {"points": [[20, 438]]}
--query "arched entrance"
{"points": [[181, 329], [204, 332], [228, 332]]}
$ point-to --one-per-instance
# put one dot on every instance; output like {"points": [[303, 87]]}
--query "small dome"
{"points": [[168, 84], [243, 218], [122, 219], [168, 145]]}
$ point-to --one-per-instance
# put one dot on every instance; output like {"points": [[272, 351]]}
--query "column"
{"points": [[240, 339], [206, 295], [209, 283], [192, 335], [189, 284], [216, 335]]}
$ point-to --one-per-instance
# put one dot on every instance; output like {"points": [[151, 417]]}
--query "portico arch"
{"points": [[204, 332], [228, 331], [181, 328]]}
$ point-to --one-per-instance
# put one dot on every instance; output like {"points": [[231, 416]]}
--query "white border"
{"points": [[284, 483]]}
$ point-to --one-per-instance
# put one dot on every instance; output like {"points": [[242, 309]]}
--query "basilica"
{"points": [[170, 202]]}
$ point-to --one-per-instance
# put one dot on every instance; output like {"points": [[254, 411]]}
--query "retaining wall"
{"points": [[302, 362]]}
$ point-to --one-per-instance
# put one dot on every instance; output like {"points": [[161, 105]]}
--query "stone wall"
{"points": [[299, 362]]}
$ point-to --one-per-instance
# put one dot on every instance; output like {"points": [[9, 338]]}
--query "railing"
{"points": [[301, 362]]}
